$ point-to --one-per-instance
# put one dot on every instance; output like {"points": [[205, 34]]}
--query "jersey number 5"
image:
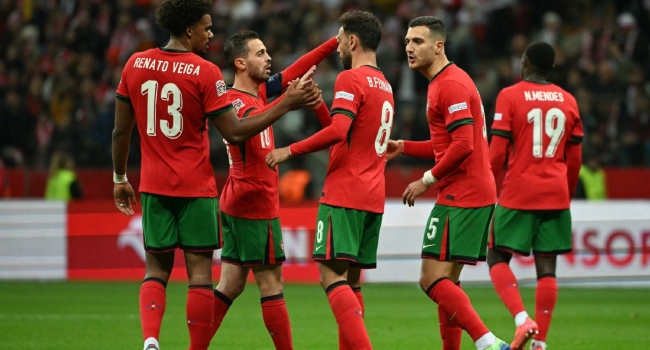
{"points": [[169, 91], [553, 126], [383, 134]]}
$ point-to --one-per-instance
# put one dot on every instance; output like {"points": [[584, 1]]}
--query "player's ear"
{"points": [[240, 63], [188, 32]]}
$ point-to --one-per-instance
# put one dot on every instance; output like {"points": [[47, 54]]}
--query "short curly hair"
{"points": [[176, 15], [365, 26]]}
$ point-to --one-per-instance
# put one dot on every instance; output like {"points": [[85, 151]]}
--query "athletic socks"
{"points": [[152, 307], [220, 306], [505, 284], [276, 320], [450, 333], [545, 298], [199, 312], [348, 314], [456, 305], [343, 345]]}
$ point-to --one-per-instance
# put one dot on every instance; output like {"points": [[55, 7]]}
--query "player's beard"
{"points": [[346, 59], [261, 75]]}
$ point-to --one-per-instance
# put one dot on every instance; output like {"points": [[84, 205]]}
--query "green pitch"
{"points": [[65, 315]]}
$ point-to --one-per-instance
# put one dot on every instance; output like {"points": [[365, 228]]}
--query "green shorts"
{"points": [[251, 242], [347, 234], [542, 231], [457, 234], [179, 222]]}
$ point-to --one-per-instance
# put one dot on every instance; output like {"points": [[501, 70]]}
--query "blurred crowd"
{"points": [[60, 61]]}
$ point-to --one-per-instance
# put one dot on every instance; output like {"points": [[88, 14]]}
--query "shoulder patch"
{"points": [[221, 87], [345, 95], [238, 104], [457, 107], [498, 116]]}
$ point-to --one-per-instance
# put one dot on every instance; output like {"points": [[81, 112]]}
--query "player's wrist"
{"points": [[119, 179], [400, 146], [428, 178]]}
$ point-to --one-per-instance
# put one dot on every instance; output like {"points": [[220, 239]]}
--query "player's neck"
{"points": [[438, 64], [177, 45], [536, 78], [364, 58], [244, 83]]}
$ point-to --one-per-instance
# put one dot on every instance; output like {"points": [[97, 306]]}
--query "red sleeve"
{"points": [[573, 152], [462, 145], [311, 58], [122, 91], [420, 149], [327, 137], [323, 115], [502, 115], [498, 151], [215, 98], [454, 101]]}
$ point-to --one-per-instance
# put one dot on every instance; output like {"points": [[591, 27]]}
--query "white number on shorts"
{"points": [[319, 231], [383, 134], [150, 88], [554, 128], [431, 232]]}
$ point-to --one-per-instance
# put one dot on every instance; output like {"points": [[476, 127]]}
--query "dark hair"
{"points": [[237, 46], [541, 56], [176, 15], [434, 24], [364, 25]]}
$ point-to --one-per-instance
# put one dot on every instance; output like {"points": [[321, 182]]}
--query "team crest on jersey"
{"points": [[238, 104], [345, 95], [457, 107], [221, 87]]}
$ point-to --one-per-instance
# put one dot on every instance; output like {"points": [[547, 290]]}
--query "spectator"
{"points": [[62, 182], [592, 181]]}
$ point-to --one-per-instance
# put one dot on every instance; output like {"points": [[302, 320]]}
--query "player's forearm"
{"points": [[573, 160], [267, 108], [459, 150], [311, 58], [420, 149], [327, 137], [120, 150], [323, 115], [498, 150]]}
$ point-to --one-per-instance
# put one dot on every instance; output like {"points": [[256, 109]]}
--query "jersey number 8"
{"points": [[383, 134]]}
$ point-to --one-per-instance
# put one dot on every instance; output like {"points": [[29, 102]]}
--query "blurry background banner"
{"points": [[54, 241]]}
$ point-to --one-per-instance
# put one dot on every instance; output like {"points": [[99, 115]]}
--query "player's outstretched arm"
{"points": [[123, 193], [573, 153], [323, 113], [498, 151], [300, 93], [420, 149], [311, 58], [327, 137]]}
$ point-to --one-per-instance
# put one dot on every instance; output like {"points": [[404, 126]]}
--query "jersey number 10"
{"points": [[553, 124]]}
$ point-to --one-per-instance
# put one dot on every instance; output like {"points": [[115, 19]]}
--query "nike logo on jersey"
{"points": [[318, 247], [424, 246]]}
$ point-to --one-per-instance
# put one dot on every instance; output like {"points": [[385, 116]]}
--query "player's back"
{"points": [[251, 190], [355, 173], [540, 119], [172, 93]]}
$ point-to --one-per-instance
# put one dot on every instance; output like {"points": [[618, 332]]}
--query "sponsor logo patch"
{"points": [[221, 87], [238, 104], [457, 107], [498, 116], [346, 95]]}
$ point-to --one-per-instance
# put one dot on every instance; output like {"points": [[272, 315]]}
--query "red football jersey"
{"points": [[453, 100], [251, 190], [173, 93], [355, 173], [539, 119]]}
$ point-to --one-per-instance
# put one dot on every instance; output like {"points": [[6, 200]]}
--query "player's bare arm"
{"points": [[123, 193], [302, 92]]}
